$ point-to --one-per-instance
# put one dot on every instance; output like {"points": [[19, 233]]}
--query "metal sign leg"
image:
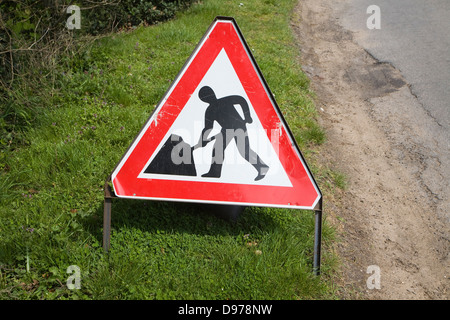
{"points": [[107, 216], [107, 224], [317, 241]]}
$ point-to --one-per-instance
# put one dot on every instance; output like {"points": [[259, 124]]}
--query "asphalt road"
{"points": [[415, 38], [387, 123]]}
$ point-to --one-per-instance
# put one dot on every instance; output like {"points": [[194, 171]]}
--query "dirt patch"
{"points": [[386, 217]]}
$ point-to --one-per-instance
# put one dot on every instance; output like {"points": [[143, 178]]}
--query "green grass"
{"points": [[51, 196]]}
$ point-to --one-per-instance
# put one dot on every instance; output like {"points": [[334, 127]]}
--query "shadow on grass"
{"points": [[181, 217]]}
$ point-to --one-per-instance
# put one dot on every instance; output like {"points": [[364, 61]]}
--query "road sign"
{"points": [[217, 136]]}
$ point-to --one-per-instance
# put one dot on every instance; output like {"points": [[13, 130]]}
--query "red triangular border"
{"points": [[222, 34]]}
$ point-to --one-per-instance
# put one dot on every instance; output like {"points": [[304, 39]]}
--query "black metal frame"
{"points": [[109, 193]]}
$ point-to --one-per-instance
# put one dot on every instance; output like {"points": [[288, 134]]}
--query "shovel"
{"points": [[199, 145]]}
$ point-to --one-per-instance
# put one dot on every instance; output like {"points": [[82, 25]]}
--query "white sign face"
{"points": [[223, 80]]}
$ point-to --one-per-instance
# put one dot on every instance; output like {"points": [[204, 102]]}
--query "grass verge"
{"points": [[51, 197]]}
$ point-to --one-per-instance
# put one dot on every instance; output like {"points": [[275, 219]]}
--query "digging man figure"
{"points": [[232, 127]]}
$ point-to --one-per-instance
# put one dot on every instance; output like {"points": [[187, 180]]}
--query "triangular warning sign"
{"points": [[217, 136]]}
